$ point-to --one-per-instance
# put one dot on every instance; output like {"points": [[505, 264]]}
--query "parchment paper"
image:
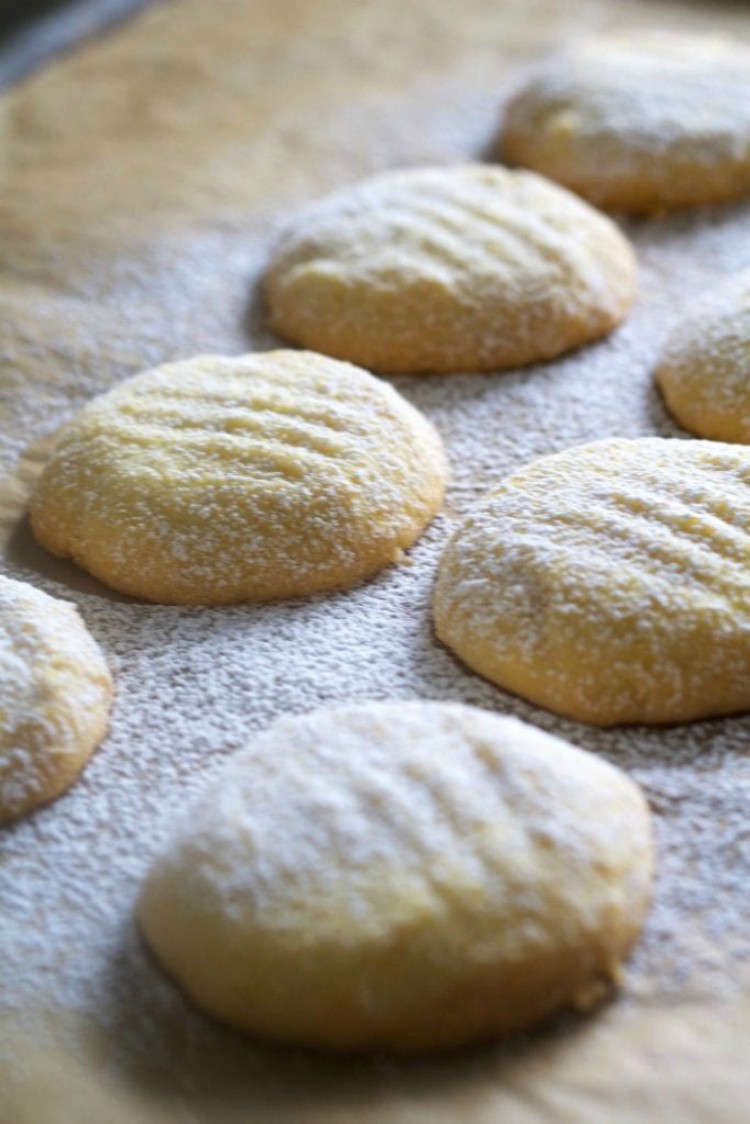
{"points": [[140, 182]]}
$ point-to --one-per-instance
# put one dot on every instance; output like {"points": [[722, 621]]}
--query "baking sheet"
{"points": [[141, 182]]}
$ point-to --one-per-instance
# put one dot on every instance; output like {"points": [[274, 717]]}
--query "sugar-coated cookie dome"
{"points": [[216, 480], [406, 876], [466, 267]]}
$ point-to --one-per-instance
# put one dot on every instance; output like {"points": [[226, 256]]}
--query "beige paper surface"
{"points": [[140, 184]]}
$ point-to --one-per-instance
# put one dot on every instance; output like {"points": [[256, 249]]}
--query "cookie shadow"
{"points": [[255, 320], [658, 414], [23, 553], [18, 547], [490, 150]]}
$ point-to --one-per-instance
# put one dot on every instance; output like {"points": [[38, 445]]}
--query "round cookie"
{"points": [[609, 583], [404, 876], [638, 122], [217, 480], [704, 369], [447, 268], [55, 695]]}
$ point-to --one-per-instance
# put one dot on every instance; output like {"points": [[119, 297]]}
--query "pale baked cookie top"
{"points": [[55, 694], [216, 480], [407, 876], [449, 268], [609, 583], [704, 367], [638, 121]]}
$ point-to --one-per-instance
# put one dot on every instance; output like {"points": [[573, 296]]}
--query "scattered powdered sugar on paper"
{"points": [[193, 685]]}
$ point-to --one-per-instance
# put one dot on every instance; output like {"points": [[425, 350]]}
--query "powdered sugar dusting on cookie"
{"points": [[703, 369], [610, 582], [193, 686], [414, 868], [218, 480], [638, 121], [469, 267], [413, 788], [54, 696]]}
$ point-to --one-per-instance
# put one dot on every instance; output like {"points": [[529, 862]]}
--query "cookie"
{"points": [[609, 583], [704, 372], [638, 122], [217, 480], [55, 696], [447, 268], [404, 876]]}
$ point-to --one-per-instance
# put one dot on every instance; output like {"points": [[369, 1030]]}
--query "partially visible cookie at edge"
{"points": [[609, 583], [637, 121], [704, 367], [216, 480], [407, 876], [55, 697], [466, 267]]}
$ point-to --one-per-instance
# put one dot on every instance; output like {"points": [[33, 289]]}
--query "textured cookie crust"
{"points": [[638, 122], [55, 695], [609, 583], [406, 876], [216, 480], [704, 370], [449, 268]]}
